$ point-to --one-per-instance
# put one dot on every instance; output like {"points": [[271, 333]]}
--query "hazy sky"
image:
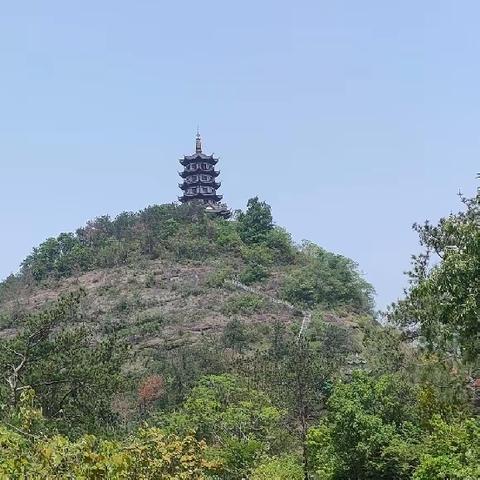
{"points": [[352, 119]]}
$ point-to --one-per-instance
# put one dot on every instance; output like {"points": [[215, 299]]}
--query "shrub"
{"points": [[6, 320], [451, 451], [218, 277], [149, 455], [279, 468], [150, 280], [253, 274], [245, 304], [369, 431], [151, 389], [239, 422], [227, 236], [279, 241], [235, 335]]}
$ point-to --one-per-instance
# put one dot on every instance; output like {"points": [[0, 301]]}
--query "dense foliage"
{"points": [[388, 428], [146, 454]]}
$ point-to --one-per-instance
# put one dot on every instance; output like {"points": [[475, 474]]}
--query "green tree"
{"points": [[235, 335], [279, 468], [298, 373], [239, 421], [279, 241], [370, 431], [148, 454], [74, 375], [255, 224], [442, 303], [451, 451]]}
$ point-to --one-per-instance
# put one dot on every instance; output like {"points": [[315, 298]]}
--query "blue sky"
{"points": [[352, 119]]}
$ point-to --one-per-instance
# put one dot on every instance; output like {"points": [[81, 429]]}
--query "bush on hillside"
{"points": [[245, 304], [329, 280], [279, 468], [149, 454]]}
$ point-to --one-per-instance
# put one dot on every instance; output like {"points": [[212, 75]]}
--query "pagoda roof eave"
{"points": [[186, 185], [198, 157], [200, 196], [213, 173]]}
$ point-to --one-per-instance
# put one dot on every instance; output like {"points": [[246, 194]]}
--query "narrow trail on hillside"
{"points": [[307, 315]]}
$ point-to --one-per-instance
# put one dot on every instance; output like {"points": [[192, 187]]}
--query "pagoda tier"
{"points": [[199, 171], [198, 157], [204, 197], [186, 185], [199, 179]]}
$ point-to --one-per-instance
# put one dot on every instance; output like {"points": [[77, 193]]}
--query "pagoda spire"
{"points": [[198, 142]]}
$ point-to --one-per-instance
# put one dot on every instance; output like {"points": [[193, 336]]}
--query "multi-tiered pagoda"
{"points": [[200, 180]]}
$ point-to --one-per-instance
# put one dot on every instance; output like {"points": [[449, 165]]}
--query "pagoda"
{"points": [[200, 181]]}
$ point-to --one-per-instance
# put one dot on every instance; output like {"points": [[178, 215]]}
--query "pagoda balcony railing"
{"points": [[200, 194], [199, 167], [202, 178], [212, 183]]}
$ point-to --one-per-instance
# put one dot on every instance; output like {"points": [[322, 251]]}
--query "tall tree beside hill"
{"points": [[442, 303]]}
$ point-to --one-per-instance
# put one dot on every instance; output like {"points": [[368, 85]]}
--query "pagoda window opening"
{"points": [[206, 178]]}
